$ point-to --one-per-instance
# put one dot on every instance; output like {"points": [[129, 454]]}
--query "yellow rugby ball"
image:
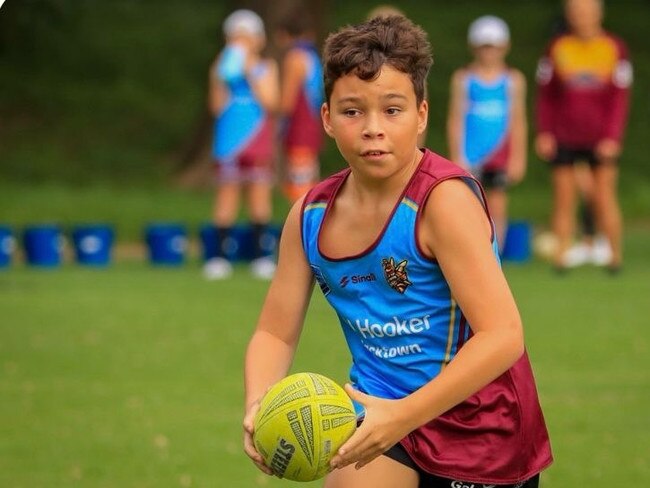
{"points": [[302, 421]]}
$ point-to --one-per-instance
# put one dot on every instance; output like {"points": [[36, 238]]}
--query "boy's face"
{"points": [[375, 123]]}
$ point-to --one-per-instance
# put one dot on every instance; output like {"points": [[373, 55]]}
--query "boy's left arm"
{"points": [[517, 160], [456, 232]]}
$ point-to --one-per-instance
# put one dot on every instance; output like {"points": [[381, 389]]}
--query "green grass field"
{"points": [[131, 376]]}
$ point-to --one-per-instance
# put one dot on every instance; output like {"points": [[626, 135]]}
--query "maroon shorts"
{"points": [[254, 164]]}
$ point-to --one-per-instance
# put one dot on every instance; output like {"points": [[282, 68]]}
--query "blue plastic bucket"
{"points": [[239, 246], [208, 238], [7, 246], [167, 243], [43, 245], [270, 240], [517, 247], [236, 248], [92, 244]]}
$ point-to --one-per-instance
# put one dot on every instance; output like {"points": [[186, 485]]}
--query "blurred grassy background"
{"points": [[100, 101]]}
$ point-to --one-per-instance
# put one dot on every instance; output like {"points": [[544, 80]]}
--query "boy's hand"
{"points": [[249, 446], [383, 426]]}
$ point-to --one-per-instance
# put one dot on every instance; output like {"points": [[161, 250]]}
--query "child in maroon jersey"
{"points": [[582, 105]]}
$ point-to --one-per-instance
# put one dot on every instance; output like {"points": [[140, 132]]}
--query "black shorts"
{"points": [[428, 480], [567, 157], [494, 179]]}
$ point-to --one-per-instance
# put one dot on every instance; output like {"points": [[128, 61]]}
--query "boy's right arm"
{"points": [[272, 346]]}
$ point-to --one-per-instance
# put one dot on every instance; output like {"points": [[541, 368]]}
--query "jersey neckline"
{"points": [[373, 245]]}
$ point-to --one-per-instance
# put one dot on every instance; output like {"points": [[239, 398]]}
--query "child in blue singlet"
{"points": [[486, 127], [243, 94], [402, 246]]}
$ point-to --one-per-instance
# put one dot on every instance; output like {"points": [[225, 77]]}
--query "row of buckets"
{"points": [[166, 243]]}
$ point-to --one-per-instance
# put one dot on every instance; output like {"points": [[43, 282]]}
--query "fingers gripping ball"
{"points": [[302, 421]]}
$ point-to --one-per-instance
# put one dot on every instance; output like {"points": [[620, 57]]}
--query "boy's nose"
{"points": [[372, 128]]}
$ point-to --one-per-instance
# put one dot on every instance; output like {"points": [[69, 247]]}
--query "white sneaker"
{"points": [[577, 255], [217, 269], [263, 268], [601, 252]]}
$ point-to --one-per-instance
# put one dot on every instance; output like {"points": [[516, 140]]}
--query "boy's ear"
{"points": [[325, 116], [423, 116]]}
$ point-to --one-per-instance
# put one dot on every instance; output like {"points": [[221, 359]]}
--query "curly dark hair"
{"points": [[364, 48]]}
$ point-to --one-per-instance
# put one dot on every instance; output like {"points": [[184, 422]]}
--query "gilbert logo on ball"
{"points": [[302, 422]]}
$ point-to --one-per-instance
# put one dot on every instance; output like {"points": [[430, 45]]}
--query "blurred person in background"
{"points": [[590, 246], [486, 124], [302, 95], [243, 93], [583, 82]]}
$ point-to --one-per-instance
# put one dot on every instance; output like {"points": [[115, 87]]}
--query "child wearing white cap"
{"points": [[488, 31], [244, 92], [486, 125]]}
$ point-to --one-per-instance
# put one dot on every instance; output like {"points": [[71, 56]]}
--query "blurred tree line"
{"points": [[115, 90]]}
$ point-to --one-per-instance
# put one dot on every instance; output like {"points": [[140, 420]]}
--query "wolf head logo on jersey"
{"points": [[396, 274]]}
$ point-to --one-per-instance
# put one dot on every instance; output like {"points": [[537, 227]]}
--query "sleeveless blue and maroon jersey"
{"points": [[402, 326], [486, 120], [243, 127]]}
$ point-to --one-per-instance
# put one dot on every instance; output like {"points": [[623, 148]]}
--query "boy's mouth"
{"points": [[373, 152]]}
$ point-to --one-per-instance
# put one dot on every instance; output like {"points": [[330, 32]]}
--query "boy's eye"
{"points": [[350, 112], [393, 111]]}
